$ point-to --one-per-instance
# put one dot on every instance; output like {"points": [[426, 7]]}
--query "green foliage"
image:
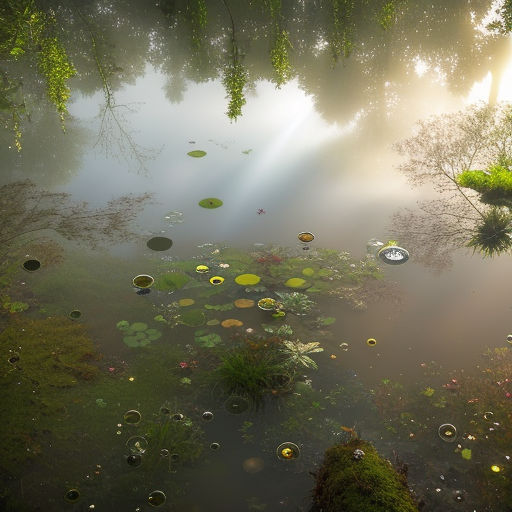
{"points": [[386, 16], [340, 37], [138, 334], [182, 438], [493, 235], [280, 58], [235, 78], [192, 317], [249, 373], [297, 353], [495, 182], [207, 339], [295, 302], [371, 483], [503, 25], [197, 13], [171, 281], [54, 64]]}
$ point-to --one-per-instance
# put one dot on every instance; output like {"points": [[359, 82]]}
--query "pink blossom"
{"points": [[111, 369], [183, 364]]}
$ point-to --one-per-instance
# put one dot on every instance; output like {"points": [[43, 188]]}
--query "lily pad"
{"points": [[295, 282], [138, 326], [192, 318], [308, 271], [213, 321], [247, 279], [197, 153], [210, 202], [244, 303], [206, 339], [171, 281], [153, 334], [123, 325], [131, 341], [219, 307], [186, 302], [231, 322]]}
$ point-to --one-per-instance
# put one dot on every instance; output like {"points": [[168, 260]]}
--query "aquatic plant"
{"points": [[137, 334], [250, 373], [171, 281], [296, 282], [172, 442], [210, 202], [297, 353], [364, 482], [493, 183], [197, 153], [493, 234], [192, 318], [207, 339], [247, 279], [295, 302]]}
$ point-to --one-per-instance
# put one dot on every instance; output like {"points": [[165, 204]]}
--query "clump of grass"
{"points": [[493, 235], [495, 182]]}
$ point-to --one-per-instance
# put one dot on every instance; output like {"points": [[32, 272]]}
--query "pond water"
{"points": [[316, 153]]}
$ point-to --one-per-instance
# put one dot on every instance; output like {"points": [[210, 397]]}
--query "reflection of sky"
{"points": [[340, 182]]}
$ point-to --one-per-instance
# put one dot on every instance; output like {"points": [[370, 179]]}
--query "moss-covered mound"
{"points": [[345, 484], [495, 184]]}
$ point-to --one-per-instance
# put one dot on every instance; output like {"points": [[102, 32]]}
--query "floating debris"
{"points": [[373, 246], [287, 451], [488, 415], [31, 265], [447, 432], [159, 243], [143, 281]]}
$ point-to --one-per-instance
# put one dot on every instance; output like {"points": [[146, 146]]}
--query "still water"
{"points": [[315, 154]]}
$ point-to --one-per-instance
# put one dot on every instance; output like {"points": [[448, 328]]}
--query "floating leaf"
{"points": [[466, 453], [295, 282], [325, 320], [308, 271], [244, 303], [186, 302], [138, 326], [247, 279], [153, 334], [213, 321], [428, 391], [171, 281], [231, 322], [210, 202], [197, 153], [123, 325], [192, 318], [219, 307], [205, 339]]}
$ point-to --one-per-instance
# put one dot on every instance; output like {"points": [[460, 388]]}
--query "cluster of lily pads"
{"points": [[137, 334]]}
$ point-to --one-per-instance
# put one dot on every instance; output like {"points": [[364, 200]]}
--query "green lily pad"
{"points": [[153, 334], [247, 279], [138, 326], [210, 202], [208, 340], [171, 281], [131, 341], [308, 271], [197, 153], [325, 320], [139, 335], [295, 282], [192, 318], [220, 307], [214, 321], [123, 325], [159, 318]]}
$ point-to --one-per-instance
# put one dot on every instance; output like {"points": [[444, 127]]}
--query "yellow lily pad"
{"points": [[247, 279], [295, 282], [186, 302], [244, 303], [231, 322]]}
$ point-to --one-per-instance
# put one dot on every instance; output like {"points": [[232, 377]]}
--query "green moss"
{"points": [[171, 281], [370, 483], [494, 183]]}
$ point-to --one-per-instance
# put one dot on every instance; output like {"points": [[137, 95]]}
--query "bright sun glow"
{"points": [[480, 90], [421, 67]]}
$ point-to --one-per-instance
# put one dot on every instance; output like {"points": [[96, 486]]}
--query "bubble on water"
{"points": [[306, 237], [488, 416], [236, 404], [178, 416], [214, 446], [509, 338], [75, 314], [134, 460], [164, 452], [156, 498], [207, 416], [287, 451], [344, 346], [132, 417], [447, 432], [159, 243], [137, 444], [72, 496]]}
